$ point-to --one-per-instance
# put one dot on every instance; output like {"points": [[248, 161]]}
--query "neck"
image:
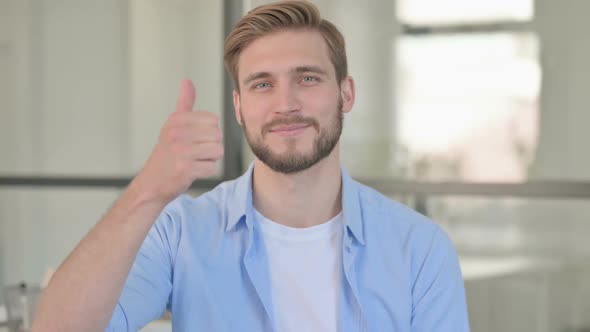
{"points": [[304, 199]]}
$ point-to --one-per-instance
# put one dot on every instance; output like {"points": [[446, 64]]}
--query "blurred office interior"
{"points": [[474, 112]]}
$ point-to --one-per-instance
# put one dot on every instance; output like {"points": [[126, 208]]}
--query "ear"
{"points": [[237, 110], [347, 93]]}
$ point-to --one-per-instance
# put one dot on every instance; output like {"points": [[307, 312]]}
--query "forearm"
{"points": [[84, 291]]}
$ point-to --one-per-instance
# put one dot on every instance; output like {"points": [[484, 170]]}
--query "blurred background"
{"points": [[474, 112]]}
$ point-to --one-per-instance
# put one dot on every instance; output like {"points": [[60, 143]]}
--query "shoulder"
{"points": [[389, 221], [203, 211], [379, 210], [201, 201]]}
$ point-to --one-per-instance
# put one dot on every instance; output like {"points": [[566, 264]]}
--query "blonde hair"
{"points": [[283, 15]]}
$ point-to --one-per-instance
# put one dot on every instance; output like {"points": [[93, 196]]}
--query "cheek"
{"points": [[324, 107], [252, 104], [321, 99], [255, 111], [251, 115]]}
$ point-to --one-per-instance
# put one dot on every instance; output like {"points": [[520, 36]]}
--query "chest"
{"points": [[231, 289]]}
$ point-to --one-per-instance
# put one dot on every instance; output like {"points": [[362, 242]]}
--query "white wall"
{"points": [[86, 87], [565, 96], [81, 100], [65, 117]]}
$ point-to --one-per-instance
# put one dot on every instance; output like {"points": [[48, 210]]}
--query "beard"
{"points": [[293, 161]]}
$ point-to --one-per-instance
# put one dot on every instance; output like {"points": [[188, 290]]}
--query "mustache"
{"points": [[295, 119]]}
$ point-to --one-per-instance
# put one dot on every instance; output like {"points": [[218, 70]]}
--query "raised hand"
{"points": [[188, 148]]}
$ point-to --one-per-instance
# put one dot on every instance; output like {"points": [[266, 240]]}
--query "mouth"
{"points": [[290, 130]]}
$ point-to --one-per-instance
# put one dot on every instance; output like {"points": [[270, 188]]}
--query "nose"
{"points": [[285, 99]]}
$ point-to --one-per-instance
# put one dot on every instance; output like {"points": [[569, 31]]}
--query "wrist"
{"points": [[140, 193]]}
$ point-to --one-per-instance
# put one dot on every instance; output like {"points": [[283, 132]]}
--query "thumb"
{"points": [[186, 99]]}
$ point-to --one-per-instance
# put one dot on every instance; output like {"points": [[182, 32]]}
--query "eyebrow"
{"points": [[256, 76], [310, 69], [298, 69]]}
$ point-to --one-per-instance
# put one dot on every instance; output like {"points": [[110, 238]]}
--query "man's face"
{"points": [[290, 104]]}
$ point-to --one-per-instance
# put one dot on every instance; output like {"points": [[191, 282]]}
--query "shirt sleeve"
{"points": [[438, 295], [147, 289]]}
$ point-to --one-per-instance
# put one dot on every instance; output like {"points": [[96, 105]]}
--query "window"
{"points": [[467, 99], [463, 11]]}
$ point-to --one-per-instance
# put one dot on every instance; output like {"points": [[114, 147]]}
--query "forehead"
{"points": [[281, 51]]}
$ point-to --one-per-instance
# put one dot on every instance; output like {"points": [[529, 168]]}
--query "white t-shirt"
{"points": [[305, 269]]}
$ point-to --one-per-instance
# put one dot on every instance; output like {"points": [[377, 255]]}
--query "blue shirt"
{"points": [[205, 261]]}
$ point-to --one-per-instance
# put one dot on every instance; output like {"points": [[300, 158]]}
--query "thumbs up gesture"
{"points": [[189, 145]]}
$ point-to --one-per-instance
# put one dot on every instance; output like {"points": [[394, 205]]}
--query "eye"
{"points": [[261, 85], [310, 79]]}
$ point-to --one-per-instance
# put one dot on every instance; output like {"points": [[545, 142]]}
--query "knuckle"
{"points": [[177, 116], [219, 150], [215, 118], [172, 135], [210, 117], [211, 134], [210, 169], [173, 119], [207, 169]]}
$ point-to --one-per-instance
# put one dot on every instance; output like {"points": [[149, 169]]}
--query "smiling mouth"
{"points": [[288, 128]]}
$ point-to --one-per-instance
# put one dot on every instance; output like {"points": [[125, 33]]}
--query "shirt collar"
{"points": [[240, 200], [351, 205], [241, 206]]}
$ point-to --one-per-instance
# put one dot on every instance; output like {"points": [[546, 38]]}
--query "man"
{"points": [[293, 245]]}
